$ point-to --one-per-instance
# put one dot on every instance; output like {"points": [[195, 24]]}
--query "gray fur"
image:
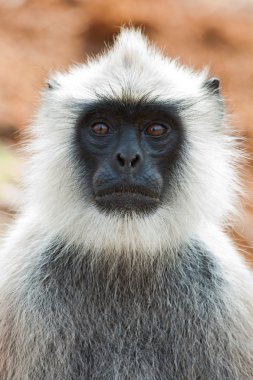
{"points": [[86, 320]]}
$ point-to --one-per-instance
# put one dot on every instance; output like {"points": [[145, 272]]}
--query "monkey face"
{"points": [[129, 151]]}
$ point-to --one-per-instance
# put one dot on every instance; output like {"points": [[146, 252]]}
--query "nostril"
{"points": [[128, 161], [121, 159], [135, 160]]}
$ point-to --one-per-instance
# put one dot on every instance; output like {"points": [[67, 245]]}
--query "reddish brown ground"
{"points": [[38, 36]]}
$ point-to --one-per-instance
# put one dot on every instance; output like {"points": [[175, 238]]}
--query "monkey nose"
{"points": [[130, 161]]}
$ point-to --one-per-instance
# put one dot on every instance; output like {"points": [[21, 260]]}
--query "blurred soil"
{"points": [[37, 37]]}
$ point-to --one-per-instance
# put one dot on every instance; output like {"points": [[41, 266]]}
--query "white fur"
{"points": [[208, 185]]}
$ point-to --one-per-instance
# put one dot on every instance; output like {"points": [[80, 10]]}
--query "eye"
{"points": [[100, 129], [156, 130]]}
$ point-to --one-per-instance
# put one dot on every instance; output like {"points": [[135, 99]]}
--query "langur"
{"points": [[117, 267]]}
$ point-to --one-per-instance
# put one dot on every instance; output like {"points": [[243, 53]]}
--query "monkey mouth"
{"points": [[126, 199]]}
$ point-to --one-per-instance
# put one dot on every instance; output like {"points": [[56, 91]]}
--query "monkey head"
{"points": [[131, 151]]}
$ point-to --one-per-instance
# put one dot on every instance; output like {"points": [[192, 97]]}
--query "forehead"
{"points": [[130, 109]]}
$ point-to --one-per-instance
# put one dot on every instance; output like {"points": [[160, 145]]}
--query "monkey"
{"points": [[118, 266]]}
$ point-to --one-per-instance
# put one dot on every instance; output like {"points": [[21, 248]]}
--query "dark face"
{"points": [[128, 153]]}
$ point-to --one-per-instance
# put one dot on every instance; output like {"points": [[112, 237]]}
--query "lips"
{"points": [[120, 189], [125, 198]]}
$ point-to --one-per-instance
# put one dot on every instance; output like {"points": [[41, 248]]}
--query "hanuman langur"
{"points": [[117, 267]]}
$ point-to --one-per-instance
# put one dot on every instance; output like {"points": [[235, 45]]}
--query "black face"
{"points": [[128, 153]]}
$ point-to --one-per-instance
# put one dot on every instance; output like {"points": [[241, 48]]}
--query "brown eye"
{"points": [[156, 130], [100, 129]]}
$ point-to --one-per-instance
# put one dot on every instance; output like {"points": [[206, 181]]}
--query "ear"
{"points": [[213, 85], [52, 84]]}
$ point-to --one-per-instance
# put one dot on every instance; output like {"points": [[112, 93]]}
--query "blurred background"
{"points": [[38, 36]]}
